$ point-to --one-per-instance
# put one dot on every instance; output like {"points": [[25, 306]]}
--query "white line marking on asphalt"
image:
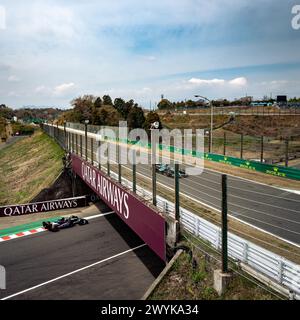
{"points": [[211, 171], [218, 210], [73, 272], [99, 215]]}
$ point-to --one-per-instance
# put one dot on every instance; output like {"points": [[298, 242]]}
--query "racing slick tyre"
{"points": [[82, 222]]}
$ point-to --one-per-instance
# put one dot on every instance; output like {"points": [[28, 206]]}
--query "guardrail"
{"points": [[280, 270], [275, 267]]}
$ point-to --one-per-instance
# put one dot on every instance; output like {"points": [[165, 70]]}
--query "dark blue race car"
{"points": [[64, 223]]}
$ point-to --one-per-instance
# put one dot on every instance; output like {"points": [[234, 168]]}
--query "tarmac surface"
{"points": [[10, 141], [272, 209], [268, 208], [101, 260]]}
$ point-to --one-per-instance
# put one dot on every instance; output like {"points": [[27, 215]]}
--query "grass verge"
{"points": [[27, 167], [191, 278]]}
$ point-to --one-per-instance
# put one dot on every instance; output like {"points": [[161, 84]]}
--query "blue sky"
{"points": [[52, 51]]}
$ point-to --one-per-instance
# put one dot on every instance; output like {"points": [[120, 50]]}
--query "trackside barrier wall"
{"points": [[142, 219], [275, 267], [43, 206]]}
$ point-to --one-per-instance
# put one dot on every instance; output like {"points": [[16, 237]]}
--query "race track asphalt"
{"points": [[272, 209], [268, 208], [36, 259]]}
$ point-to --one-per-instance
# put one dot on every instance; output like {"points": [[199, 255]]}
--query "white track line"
{"points": [[212, 171], [234, 215], [241, 189], [236, 178], [229, 202], [73, 272], [98, 215], [230, 215]]}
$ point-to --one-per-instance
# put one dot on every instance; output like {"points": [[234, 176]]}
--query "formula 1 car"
{"points": [[64, 223], [169, 171], [161, 168]]}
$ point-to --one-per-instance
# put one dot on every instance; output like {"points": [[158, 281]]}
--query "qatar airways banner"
{"points": [[144, 221], [45, 206]]}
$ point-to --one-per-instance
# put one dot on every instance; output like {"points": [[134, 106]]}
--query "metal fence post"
{"points": [[92, 151], [72, 142], [86, 141], [154, 201], [134, 171], [108, 158], [69, 141], [286, 152], [65, 136], [261, 149], [76, 143], [224, 225], [153, 162], [98, 152], [119, 164], [177, 205], [242, 145], [80, 145], [224, 144], [57, 131], [209, 144]]}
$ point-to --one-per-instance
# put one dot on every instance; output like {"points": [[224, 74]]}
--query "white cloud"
{"points": [[129, 45], [150, 58], [60, 90], [63, 88], [13, 94], [240, 82], [42, 90], [44, 21], [237, 82], [206, 82], [279, 82], [2, 18], [13, 78]]}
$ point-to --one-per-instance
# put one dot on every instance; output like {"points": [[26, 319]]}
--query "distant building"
{"points": [[247, 99], [201, 103], [261, 104], [281, 99]]}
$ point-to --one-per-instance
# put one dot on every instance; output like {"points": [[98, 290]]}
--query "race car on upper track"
{"points": [[64, 223], [169, 171]]}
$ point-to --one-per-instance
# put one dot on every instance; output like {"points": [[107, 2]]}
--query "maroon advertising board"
{"points": [[144, 221], [40, 207]]}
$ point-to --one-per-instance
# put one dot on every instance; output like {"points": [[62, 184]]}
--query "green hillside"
{"points": [[27, 167]]}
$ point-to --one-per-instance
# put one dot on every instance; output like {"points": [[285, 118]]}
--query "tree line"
{"points": [[166, 104], [30, 114], [104, 111]]}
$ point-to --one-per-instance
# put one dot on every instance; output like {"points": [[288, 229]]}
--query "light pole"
{"points": [[211, 120], [65, 135]]}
